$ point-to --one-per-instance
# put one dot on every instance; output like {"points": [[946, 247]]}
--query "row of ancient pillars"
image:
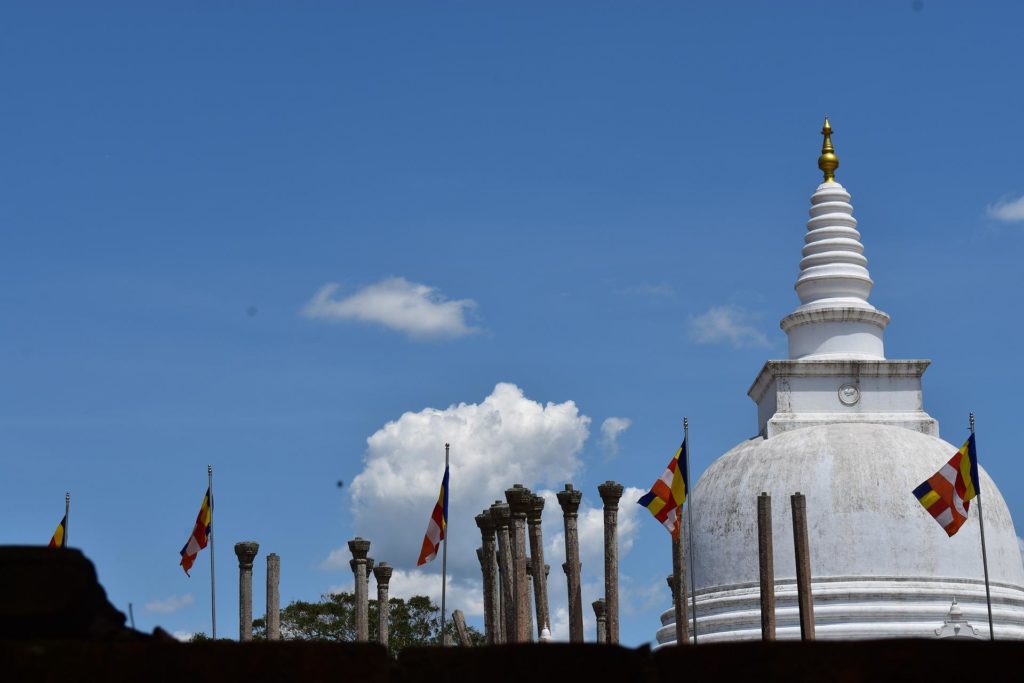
{"points": [[510, 575]]}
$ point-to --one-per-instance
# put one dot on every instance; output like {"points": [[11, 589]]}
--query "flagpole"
{"points": [[213, 589], [444, 551], [984, 553], [689, 531], [67, 509]]}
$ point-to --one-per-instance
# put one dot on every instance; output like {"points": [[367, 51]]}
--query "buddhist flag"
{"points": [[665, 499], [437, 526], [59, 536], [948, 492], [200, 533]]}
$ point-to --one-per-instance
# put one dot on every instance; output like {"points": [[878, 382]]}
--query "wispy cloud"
{"points": [[611, 429], [650, 289], [417, 310], [1007, 210], [169, 605], [726, 325]]}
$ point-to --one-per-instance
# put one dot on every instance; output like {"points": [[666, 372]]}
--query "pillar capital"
{"points": [[369, 565], [246, 552], [485, 522], [382, 572], [518, 498], [570, 499], [535, 509], [599, 608], [501, 513], [610, 492], [359, 548]]}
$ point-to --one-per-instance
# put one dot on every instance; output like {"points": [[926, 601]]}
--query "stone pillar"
{"points": [[382, 572], [803, 566], [359, 548], [273, 597], [246, 552], [602, 624], [489, 567], [540, 579], [611, 492], [502, 516], [766, 565], [530, 583], [518, 498], [680, 599], [569, 499], [460, 628]]}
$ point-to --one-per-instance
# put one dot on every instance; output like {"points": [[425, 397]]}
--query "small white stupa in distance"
{"points": [[846, 427]]}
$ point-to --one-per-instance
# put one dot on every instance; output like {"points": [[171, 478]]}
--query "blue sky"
{"points": [[572, 186]]}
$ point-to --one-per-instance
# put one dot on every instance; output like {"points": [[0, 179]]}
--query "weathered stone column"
{"points": [[530, 583], [766, 565], [489, 567], [273, 597], [460, 628], [246, 552], [540, 580], [502, 516], [569, 500], [680, 604], [382, 572], [602, 624], [803, 566], [518, 498], [611, 492], [359, 548]]}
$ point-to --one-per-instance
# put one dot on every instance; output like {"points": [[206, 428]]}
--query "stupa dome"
{"points": [[846, 427], [881, 566]]}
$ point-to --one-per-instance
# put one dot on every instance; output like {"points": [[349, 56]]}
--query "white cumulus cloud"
{"points": [[169, 605], [726, 324], [505, 439], [419, 311], [1007, 210], [611, 429]]}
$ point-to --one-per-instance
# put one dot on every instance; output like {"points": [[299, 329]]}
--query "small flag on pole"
{"points": [[59, 539], [200, 534], [437, 526], [665, 499], [948, 492]]}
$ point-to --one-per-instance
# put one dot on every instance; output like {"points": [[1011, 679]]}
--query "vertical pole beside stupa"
{"points": [[805, 600], [677, 583], [766, 565], [569, 500], [984, 553]]}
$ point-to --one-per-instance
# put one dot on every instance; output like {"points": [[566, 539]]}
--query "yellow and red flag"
{"points": [[200, 533], [665, 499], [437, 525], [59, 540], [948, 492]]}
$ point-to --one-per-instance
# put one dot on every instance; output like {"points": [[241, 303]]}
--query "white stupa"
{"points": [[846, 427]]}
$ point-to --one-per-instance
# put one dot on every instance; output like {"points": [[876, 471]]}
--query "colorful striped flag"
{"points": [[58, 540], [948, 492], [437, 526], [665, 499], [200, 533]]}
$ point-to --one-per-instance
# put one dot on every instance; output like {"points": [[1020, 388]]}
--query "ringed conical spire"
{"points": [[828, 162]]}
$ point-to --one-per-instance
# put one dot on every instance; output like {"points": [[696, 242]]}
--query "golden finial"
{"points": [[828, 162]]}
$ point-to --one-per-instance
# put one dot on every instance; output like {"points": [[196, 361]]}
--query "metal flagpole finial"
{"points": [[686, 423], [972, 423], [67, 496], [209, 469]]}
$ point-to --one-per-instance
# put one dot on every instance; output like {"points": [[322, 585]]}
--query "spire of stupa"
{"points": [[834, 319]]}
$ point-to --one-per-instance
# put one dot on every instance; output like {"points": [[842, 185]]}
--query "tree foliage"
{"points": [[411, 622]]}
